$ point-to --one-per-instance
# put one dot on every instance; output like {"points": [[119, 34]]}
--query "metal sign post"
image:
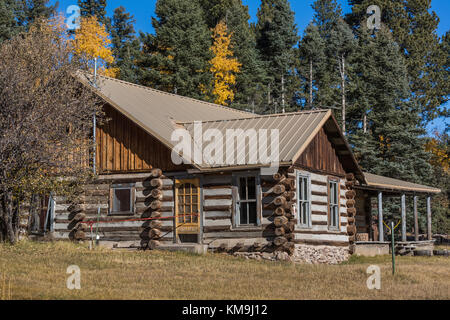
{"points": [[393, 247], [392, 229]]}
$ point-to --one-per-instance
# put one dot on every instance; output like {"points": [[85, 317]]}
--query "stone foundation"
{"points": [[320, 254], [303, 254], [270, 256]]}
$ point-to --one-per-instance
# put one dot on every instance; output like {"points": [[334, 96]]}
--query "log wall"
{"points": [[218, 231], [320, 234], [96, 195], [217, 205]]}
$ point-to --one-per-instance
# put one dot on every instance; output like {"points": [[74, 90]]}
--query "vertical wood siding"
{"points": [[122, 146], [320, 155]]}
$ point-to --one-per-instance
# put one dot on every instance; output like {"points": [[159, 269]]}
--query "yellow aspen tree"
{"points": [[439, 152], [92, 41], [223, 66]]}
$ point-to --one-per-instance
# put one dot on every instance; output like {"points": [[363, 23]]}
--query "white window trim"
{"points": [[307, 175], [236, 210], [338, 204]]}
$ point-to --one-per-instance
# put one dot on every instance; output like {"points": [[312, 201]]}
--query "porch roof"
{"points": [[375, 182]]}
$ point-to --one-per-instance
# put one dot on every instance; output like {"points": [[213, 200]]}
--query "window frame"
{"points": [[337, 182], [236, 200], [307, 176], [112, 189]]}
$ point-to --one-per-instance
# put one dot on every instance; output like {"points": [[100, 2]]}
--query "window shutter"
{"points": [[133, 200], [258, 200], [111, 199], [235, 195]]}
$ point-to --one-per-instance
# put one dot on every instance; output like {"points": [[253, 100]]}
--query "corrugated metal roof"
{"points": [[156, 111], [296, 131], [159, 113], [381, 182]]}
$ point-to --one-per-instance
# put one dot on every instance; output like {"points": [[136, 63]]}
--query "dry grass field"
{"points": [[38, 271]]}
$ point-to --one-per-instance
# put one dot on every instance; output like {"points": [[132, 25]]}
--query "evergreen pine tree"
{"points": [[392, 145], [360, 95], [217, 10], [35, 9], [250, 80], [391, 141], [176, 58], [95, 8], [334, 75], [327, 14], [17, 16], [445, 47], [8, 24], [276, 34], [125, 45], [341, 47], [414, 29], [28, 11], [311, 63]]}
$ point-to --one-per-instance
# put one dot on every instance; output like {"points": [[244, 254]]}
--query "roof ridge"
{"points": [[258, 116], [175, 95]]}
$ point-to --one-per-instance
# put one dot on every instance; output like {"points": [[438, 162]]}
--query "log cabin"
{"points": [[315, 206]]}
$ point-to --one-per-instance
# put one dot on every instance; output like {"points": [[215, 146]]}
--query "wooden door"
{"points": [[187, 207]]}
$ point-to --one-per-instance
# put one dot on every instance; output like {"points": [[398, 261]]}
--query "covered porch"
{"points": [[371, 228]]}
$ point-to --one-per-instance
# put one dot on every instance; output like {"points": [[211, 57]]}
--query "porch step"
{"points": [[414, 248], [185, 247]]}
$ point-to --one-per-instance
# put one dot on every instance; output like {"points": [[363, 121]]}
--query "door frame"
{"points": [[198, 181]]}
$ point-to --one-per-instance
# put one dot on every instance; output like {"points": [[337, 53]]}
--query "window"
{"points": [[304, 200], [122, 199], [333, 204], [247, 201]]}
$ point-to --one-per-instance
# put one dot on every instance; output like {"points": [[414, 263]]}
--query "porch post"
{"points": [[430, 235], [416, 220], [380, 217], [403, 217]]}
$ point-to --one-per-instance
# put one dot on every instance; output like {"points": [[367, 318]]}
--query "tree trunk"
{"points": [[32, 212], [16, 219], [365, 123], [2, 226], [8, 215], [344, 129]]}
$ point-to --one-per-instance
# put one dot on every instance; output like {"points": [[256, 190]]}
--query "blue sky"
{"points": [[143, 10]]}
